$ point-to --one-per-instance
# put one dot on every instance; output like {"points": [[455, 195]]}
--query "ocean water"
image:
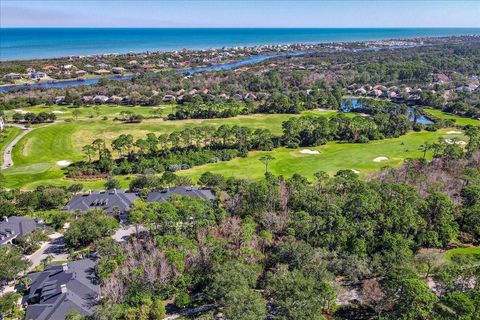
{"points": [[31, 43]]}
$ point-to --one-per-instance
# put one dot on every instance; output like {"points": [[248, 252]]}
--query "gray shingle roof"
{"points": [[13, 227], [163, 195], [107, 200], [61, 288]]}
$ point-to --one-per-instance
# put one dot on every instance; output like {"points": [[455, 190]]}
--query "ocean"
{"points": [[34, 43]]}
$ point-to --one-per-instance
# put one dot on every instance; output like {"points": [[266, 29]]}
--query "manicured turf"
{"points": [[458, 120], [469, 251], [36, 155], [6, 137], [110, 111], [333, 157]]}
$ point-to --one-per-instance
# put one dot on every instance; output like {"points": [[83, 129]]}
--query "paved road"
{"points": [[7, 154]]}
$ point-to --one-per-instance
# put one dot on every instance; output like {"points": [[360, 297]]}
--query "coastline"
{"points": [[56, 43]]}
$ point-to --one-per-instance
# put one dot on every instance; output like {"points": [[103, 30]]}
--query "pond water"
{"points": [[352, 103], [86, 82]]}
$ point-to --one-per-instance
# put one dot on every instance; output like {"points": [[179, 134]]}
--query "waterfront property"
{"points": [[116, 202], [60, 289], [14, 227], [164, 194]]}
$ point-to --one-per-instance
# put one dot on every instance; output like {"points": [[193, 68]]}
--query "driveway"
{"points": [[55, 248]]}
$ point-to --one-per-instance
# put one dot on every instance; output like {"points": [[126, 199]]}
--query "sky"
{"points": [[239, 14]]}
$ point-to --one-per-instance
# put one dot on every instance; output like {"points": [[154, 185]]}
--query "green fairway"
{"points": [[6, 137], [91, 112], [333, 157], [469, 251], [36, 155], [458, 120]]}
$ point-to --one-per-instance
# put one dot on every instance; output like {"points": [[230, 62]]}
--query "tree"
{"points": [[12, 263], [92, 226], [266, 160], [88, 150], [157, 310], [424, 148], [297, 295], [413, 298], [74, 315], [112, 183], [76, 113], [9, 307], [99, 144]]}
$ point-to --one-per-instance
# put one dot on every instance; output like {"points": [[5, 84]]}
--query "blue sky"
{"points": [[185, 14]]}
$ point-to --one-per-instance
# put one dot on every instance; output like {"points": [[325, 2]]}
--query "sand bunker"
{"points": [[63, 163], [380, 159], [308, 151], [355, 171], [454, 132], [20, 111], [459, 142], [59, 112]]}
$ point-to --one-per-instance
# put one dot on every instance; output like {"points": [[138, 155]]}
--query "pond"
{"points": [[353, 103]]}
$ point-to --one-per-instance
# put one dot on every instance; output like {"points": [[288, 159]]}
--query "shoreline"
{"points": [[475, 32]]}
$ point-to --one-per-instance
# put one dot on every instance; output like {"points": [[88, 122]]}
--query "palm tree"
{"points": [[266, 160]]}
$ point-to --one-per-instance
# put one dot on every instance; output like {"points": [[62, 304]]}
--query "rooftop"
{"points": [[61, 288]]}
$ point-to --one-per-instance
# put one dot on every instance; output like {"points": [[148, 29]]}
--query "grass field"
{"points": [[36, 155], [458, 120], [6, 137], [469, 251], [333, 157]]}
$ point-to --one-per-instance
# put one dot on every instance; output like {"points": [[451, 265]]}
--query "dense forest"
{"points": [[288, 248]]}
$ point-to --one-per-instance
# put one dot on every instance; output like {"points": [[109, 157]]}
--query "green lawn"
{"points": [[470, 251], [333, 157], [6, 137], [463, 121], [35, 156]]}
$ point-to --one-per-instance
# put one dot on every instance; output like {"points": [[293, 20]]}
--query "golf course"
{"points": [[41, 155]]}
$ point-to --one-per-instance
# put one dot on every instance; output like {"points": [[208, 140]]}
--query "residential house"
{"points": [[101, 71], [37, 75], [16, 227], [116, 202], [60, 289], [164, 194], [118, 70], [100, 99], [12, 76]]}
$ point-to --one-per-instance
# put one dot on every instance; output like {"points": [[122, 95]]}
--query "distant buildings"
{"points": [[15, 227], [60, 289]]}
